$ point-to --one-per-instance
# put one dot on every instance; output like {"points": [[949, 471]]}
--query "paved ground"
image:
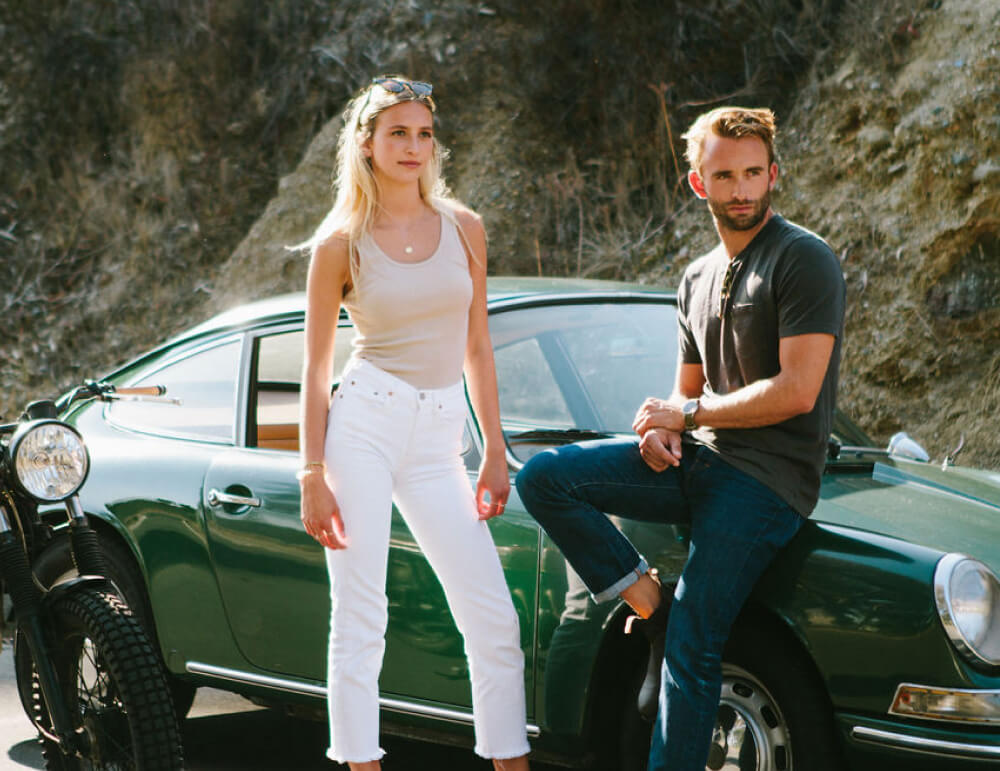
{"points": [[225, 732]]}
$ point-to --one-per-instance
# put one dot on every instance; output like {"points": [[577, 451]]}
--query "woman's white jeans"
{"points": [[385, 441]]}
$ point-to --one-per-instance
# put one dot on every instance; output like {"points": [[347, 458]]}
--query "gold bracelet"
{"points": [[303, 473]]}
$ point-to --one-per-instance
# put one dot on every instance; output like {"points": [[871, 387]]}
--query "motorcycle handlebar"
{"points": [[156, 390], [92, 389]]}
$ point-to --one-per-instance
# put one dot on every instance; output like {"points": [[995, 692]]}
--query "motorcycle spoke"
{"points": [[101, 711]]}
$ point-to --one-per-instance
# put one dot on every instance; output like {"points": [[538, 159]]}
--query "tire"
{"points": [[634, 732], [55, 564], [774, 714], [113, 685]]}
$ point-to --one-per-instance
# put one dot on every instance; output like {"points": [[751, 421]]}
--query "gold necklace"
{"points": [[407, 248]]}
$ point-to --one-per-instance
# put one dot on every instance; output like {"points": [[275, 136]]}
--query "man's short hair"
{"points": [[731, 123]]}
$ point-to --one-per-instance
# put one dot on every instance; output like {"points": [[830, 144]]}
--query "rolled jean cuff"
{"points": [[622, 583]]}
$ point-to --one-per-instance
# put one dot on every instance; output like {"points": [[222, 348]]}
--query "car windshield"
{"points": [[581, 367]]}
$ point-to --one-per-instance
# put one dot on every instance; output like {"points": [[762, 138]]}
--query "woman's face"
{"points": [[402, 142]]}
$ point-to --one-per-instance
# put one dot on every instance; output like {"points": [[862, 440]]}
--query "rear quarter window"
{"points": [[204, 381]]}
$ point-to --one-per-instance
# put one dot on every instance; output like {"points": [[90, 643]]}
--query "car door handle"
{"points": [[216, 498]]}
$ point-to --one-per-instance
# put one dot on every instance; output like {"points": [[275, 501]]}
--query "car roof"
{"points": [[501, 290]]}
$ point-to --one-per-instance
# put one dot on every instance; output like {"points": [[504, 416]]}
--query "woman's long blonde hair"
{"points": [[356, 190]]}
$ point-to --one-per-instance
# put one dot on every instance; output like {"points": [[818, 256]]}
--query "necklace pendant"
{"points": [[408, 249]]}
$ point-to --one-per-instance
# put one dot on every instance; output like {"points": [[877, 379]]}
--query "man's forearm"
{"points": [[763, 403]]}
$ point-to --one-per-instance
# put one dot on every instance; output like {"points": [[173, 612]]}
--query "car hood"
{"points": [[954, 509]]}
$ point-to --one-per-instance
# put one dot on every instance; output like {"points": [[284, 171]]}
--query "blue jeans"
{"points": [[737, 526]]}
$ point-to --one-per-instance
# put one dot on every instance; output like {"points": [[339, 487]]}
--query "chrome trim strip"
{"points": [[534, 299], [236, 676], [292, 686], [920, 744], [242, 395]]}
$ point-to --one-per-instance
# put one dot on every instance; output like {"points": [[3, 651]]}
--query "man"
{"points": [[736, 451]]}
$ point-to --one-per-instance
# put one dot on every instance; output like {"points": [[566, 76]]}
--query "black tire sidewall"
{"points": [[788, 677], [794, 685], [56, 561], [133, 668]]}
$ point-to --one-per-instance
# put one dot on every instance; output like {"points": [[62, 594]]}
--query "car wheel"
{"points": [[55, 565], [112, 687], [773, 712]]}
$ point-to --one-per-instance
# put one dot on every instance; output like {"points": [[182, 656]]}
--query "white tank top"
{"points": [[413, 318]]}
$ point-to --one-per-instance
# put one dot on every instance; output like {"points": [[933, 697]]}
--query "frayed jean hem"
{"points": [[504, 755], [340, 759]]}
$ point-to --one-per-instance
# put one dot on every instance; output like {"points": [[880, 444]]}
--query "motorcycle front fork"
{"points": [[86, 549], [28, 603]]}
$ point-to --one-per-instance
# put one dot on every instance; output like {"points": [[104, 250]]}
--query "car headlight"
{"points": [[50, 460], [967, 593]]}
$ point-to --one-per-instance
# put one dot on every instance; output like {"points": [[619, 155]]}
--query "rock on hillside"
{"points": [[901, 172]]}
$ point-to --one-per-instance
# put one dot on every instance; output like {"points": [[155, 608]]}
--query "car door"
{"points": [[149, 462], [273, 577]]}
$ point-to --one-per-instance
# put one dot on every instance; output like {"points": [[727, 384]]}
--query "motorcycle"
{"points": [[87, 673]]}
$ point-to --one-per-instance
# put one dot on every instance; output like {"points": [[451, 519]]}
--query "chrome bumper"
{"points": [[902, 741]]}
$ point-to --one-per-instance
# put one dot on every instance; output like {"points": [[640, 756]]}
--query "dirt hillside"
{"points": [[901, 171], [896, 163], [156, 159]]}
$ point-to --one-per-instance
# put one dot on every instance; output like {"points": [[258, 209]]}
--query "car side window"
{"points": [[529, 393], [274, 407], [623, 358], [204, 382], [579, 367]]}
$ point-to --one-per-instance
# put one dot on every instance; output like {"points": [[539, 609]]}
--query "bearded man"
{"points": [[736, 452]]}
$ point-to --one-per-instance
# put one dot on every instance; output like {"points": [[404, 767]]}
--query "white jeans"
{"points": [[385, 441]]}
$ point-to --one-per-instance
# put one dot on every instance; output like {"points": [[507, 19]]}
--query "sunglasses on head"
{"points": [[399, 85], [420, 91], [727, 287]]}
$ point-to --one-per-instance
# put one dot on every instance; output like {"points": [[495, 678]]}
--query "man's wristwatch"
{"points": [[689, 410]]}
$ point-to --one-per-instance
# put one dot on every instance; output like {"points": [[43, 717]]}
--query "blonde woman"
{"points": [[409, 264]]}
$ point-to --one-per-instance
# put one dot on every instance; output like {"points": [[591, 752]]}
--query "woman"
{"points": [[409, 264]]}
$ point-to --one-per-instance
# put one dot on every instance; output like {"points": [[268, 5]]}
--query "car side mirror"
{"points": [[902, 445]]}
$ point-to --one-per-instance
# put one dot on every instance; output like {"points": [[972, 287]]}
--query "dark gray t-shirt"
{"points": [[786, 282]]}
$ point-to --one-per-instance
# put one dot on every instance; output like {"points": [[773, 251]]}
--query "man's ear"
{"points": [[772, 174], [694, 180]]}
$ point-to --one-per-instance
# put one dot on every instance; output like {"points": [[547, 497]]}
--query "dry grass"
{"points": [[882, 31], [619, 85]]}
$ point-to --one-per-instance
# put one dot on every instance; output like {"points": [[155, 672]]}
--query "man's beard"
{"points": [[747, 221]]}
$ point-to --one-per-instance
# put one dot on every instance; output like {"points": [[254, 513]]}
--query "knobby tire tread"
{"points": [[135, 673]]}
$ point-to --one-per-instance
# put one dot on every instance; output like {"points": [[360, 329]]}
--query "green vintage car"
{"points": [[873, 641]]}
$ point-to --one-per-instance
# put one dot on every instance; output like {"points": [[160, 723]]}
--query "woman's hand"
{"points": [[494, 481], [320, 512]]}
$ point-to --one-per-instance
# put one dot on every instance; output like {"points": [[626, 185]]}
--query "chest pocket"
{"points": [[755, 343]]}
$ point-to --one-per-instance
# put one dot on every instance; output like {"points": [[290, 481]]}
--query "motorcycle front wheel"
{"points": [[113, 686]]}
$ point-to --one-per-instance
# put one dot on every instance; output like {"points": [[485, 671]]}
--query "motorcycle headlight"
{"points": [[968, 600], [50, 460]]}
